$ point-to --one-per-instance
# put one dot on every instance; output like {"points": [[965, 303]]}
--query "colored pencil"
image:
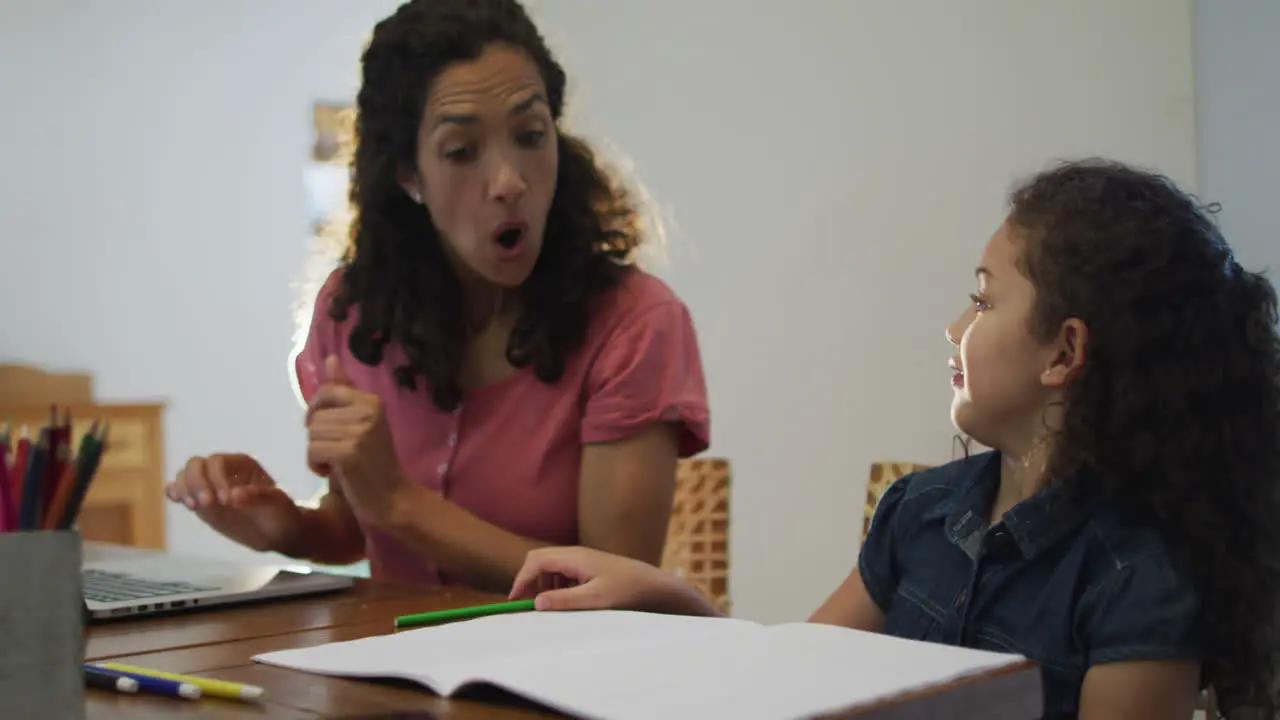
{"points": [[87, 468], [96, 679], [59, 455], [51, 462], [18, 471], [208, 686], [158, 686], [32, 494], [8, 511], [54, 514], [429, 618]]}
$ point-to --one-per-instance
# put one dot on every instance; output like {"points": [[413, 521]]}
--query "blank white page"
{"points": [[446, 657], [618, 665], [785, 671]]}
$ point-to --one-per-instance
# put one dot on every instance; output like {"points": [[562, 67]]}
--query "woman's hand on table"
{"points": [[233, 494], [349, 439]]}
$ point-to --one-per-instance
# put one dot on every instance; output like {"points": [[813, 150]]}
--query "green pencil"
{"points": [[429, 618]]}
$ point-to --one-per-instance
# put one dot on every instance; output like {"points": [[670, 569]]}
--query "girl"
{"points": [[1123, 531]]}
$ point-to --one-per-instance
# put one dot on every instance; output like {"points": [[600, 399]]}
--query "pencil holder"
{"points": [[42, 625]]}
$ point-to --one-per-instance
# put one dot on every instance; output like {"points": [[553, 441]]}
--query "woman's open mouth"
{"points": [[508, 240]]}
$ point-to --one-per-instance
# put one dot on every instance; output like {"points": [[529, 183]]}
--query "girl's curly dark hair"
{"points": [[1176, 412], [395, 270]]}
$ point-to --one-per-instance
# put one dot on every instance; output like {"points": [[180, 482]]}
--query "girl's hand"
{"points": [[578, 578]]}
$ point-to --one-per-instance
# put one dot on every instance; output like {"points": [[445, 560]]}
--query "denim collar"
{"points": [[1035, 524]]}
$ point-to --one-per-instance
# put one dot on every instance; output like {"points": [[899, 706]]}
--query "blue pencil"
{"points": [[96, 679], [157, 686], [29, 514]]}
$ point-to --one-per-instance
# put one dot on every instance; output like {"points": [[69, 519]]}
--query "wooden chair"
{"points": [[883, 474], [698, 534]]}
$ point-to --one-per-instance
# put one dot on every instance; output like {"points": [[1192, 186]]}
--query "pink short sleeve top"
{"points": [[510, 453]]}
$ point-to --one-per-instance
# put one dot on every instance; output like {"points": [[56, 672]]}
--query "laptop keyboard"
{"points": [[108, 587]]}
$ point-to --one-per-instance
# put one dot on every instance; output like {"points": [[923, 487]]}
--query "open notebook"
{"points": [[618, 665]]}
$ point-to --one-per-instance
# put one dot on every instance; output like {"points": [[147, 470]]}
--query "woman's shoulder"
{"points": [[313, 303], [637, 295], [328, 290], [329, 335]]}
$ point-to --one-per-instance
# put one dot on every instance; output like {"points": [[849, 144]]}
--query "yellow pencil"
{"points": [[208, 687]]}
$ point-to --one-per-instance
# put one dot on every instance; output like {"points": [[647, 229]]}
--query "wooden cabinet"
{"points": [[125, 504]]}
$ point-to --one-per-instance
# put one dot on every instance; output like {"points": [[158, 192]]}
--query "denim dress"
{"points": [[1067, 583]]}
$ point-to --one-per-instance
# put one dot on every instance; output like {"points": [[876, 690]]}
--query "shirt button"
{"points": [[442, 468], [453, 439], [960, 600]]}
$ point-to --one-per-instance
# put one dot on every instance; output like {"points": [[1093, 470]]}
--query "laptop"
{"points": [[156, 582]]}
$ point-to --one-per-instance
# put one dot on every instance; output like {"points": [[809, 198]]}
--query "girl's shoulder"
{"points": [[940, 482]]}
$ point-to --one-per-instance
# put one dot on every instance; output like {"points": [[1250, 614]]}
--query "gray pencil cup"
{"points": [[42, 625]]}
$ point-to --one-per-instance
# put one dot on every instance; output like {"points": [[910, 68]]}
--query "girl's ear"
{"points": [[1069, 351]]}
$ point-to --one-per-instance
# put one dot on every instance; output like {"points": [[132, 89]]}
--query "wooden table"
{"points": [[220, 642]]}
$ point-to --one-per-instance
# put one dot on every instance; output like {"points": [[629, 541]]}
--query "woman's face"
{"points": [[486, 164]]}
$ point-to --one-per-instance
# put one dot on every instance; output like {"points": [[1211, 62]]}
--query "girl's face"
{"points": [[1005, 378]]}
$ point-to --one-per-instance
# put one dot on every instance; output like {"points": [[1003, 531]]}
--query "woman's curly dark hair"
{"points": [[1176, 412], [395, 271]]}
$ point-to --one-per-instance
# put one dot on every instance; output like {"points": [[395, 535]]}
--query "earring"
{"points": [[415, 195], [1042, 446]]}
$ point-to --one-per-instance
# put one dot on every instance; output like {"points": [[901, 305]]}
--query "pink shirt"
{"points": [[511, 453]]}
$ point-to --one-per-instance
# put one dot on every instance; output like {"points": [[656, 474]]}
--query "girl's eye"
{"points": [[978, 302]]}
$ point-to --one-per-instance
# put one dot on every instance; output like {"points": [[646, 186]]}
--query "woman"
{"points": [[485, 373]]}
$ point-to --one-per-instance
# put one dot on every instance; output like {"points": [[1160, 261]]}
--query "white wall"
{"points": [[832, 169], [1237, 59], [152, 206]]}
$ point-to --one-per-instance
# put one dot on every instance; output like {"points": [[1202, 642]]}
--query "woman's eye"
{"points": [[530, 138], [461, 153], [978, 302]]}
